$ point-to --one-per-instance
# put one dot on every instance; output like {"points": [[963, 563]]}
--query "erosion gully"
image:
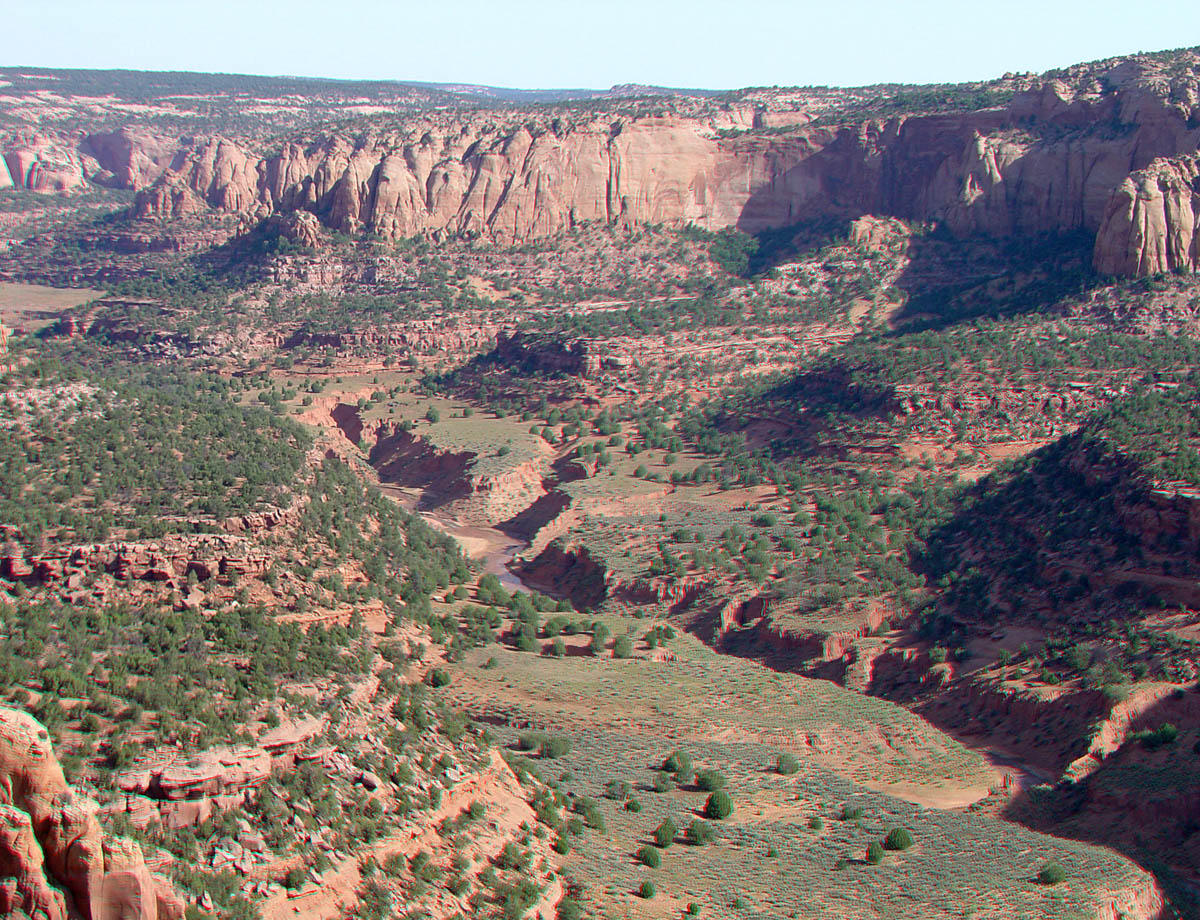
{"points": [[492, 547], [496, 550]]}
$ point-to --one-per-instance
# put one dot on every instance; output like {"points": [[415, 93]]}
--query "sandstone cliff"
{"points": [[1150, 224], [1107, 148], [1068, 153], [54, 860]]}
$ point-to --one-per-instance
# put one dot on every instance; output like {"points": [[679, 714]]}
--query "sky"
{"points": [[717, 44]]}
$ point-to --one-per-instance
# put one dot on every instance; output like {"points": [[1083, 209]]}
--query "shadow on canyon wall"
{"points": [[1142, 800]]}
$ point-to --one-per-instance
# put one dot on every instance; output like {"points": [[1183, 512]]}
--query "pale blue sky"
{"points": [[559, 43]]}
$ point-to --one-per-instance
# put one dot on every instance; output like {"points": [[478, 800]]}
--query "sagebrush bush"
{"points": [[677, 762], [898, 838], [719, 805], [664, 834], [710, 780], [1052, 873]]}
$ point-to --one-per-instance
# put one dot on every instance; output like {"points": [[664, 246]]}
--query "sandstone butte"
{"points": [[55, 862], [1109, 151]]}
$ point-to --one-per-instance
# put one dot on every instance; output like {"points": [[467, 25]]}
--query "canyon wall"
{"points": [[1056, 158], [1105, 148]]}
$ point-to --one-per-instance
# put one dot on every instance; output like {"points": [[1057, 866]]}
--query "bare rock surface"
{"points": [[183, 791], [53, 855]]}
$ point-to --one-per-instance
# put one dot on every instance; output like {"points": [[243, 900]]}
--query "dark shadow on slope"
{"points": [[755, 255], [788, 244], [828, 411], [1143, 800], [1070, 536], [950, 280]]}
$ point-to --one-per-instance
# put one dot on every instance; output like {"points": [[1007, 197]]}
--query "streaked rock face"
{"points": [[1151, 222], [49, 837], [1106, 149], [1056, 158]]}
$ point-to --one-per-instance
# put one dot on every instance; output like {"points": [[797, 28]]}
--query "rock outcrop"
{"points": [[181, 791], [1065, 155], [53, 856], [1106, 148], [170, 560], [1152, 221]]}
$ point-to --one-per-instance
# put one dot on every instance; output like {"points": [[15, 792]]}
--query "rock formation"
{"points": [[1102, 148], [1151, 222], [53, 856], [1068, 154], [185, 791]]}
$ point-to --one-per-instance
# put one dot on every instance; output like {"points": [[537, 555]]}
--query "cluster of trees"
{"points": [[141, 455]]}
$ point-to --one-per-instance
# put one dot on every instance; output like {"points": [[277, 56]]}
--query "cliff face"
{"points": [[1108, 148], [46, 161], [1152, 221], [1062, 156], [53, 855]]}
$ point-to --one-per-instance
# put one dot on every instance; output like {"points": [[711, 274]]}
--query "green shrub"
{"points": [[816, 823], [649, 856], [1157, 737], [664, 834], [617, 789], [623, 647], [1079, 658], [677, 762], [555, 746], [1051, 874], [527, 640], [530, 741], [786, 765], [719, 806], [590, 810], [875, 853], [898, 838], [1117, 692], [699, 833], [647, 890], [710, 780], [439, 677]]}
